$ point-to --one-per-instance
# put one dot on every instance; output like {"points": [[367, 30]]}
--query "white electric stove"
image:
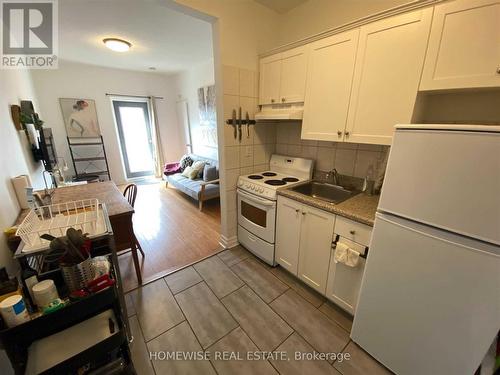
{"points": [[257, 194]]}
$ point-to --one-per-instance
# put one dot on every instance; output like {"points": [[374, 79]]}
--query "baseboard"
{"points": [[228, 242]]}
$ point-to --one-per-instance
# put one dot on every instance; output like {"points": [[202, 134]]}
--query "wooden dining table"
{"points": [[119, 211]]}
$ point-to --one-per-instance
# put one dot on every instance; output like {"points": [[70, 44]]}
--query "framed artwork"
{"points": [[80, 117], [208, 117]]}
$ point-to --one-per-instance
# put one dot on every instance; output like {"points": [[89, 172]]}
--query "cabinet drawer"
{"points": [[353, 231]]}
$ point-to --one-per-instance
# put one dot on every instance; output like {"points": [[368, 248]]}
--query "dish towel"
{"points": [[341, 251], [345, 255], [352, 258]]}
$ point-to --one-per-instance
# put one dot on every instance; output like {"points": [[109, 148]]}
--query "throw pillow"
{"points": [[193, 175], [185, 162], [198, 166], [187, 171], [210, 173]]}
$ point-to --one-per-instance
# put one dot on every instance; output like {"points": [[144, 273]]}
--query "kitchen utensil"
{"points": [[234, 124], [76, 276], [247, 118], [239, 124]]}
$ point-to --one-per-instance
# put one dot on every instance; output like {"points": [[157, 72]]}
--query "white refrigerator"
{"points": [[430, 296]]}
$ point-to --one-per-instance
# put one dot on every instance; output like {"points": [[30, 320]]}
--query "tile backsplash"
{"points": [[253, 152], [350, 159], [257, 144]]}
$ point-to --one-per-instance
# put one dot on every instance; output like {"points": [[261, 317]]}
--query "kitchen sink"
{"points": [[325, 191]]}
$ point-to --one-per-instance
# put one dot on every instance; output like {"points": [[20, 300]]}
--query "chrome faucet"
{"points": [[335, 176]]}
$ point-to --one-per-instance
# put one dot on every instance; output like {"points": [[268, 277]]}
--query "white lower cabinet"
{"points": [[316, 235], [344, 282], [288, 222], [304, 236], [303, 241]]}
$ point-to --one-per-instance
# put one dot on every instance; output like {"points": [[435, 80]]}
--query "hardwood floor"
{"points": [[172, 232]]}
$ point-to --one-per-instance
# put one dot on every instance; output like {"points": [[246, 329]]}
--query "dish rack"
{"points": [[55, 219]]}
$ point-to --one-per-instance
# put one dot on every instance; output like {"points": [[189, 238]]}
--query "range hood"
{"points": [[280, 113]]}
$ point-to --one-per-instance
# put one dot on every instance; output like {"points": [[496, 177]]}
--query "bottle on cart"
{"points": [[29, 277]]}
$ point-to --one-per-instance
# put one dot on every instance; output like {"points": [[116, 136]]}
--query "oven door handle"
{"points": [[262, 202]]}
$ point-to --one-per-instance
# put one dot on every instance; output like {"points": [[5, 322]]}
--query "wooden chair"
{"points": [[130, 193]]}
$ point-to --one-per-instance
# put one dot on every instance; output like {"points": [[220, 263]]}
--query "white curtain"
{"points": [[158, 148]]}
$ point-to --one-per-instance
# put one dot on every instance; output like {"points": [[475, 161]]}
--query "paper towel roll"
{"points": [[32, 135], [20, 184]]}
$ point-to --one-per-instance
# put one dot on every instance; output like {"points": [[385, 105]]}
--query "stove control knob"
{"points": [[261, 190], [252, 187], [240, 183]]}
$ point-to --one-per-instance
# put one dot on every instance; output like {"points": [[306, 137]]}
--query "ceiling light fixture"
{"points": [[117, 45]]}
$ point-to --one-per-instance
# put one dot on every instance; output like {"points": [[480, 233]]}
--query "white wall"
{"points": [[185, 86], [15, 152], [242, 30], [73, 80], [315, 16], [245, 29]]}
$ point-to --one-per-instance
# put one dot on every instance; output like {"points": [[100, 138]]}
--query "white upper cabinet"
{"points": [[270, 79], [315, 247], [389, 64], [464, 46], [329, 81], [293, 75], [283, 77]]}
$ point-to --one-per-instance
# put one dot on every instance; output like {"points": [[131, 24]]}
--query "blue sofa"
{"points": [[197, 189]]}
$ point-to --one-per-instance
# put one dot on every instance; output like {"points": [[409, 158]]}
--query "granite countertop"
{"points": [[360, 208]]}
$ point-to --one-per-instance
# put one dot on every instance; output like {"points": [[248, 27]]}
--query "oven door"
{"points": [[257, 215]]}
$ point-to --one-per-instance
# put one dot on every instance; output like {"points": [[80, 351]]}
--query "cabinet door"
{"points": [[464, 46], [270, 78], [329, 81], [315, 247], [293, 75], [389, 63], [288, 222], [344, 282]]}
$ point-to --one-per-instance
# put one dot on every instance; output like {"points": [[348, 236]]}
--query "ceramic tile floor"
{"points": [[233, 304]]}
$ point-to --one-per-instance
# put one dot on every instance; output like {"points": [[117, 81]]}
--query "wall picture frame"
{"points": [[80, 117]]}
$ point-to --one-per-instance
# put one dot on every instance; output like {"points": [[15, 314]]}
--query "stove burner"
{"points": [[290, 179], [268, 174], [255, 177], [275, 182]]}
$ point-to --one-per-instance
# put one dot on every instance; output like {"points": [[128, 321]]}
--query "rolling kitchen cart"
{"points": [[90, 334]]}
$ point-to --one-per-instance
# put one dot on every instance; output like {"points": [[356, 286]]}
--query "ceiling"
{"points": [[281, 6], [161, 37]]}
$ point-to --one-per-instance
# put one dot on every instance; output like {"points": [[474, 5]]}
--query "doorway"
{"points": [[134, 131]]}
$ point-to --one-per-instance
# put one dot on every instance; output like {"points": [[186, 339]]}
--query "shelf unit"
{"points": [[87, 163], [27, 344]]}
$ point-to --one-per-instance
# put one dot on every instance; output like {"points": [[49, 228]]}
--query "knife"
{"points": [[239, 124], [248, 124], [234, 123]]}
